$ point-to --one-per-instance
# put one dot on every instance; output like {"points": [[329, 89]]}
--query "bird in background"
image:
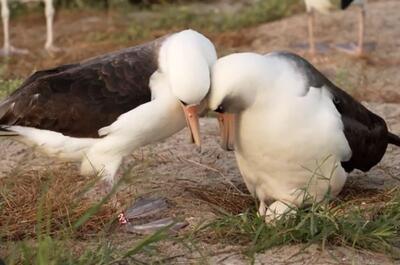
{"points": [[296, 135], [327, 6], [99, 110], [8, 49]]}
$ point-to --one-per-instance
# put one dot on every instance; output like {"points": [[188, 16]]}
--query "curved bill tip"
{"points": [[192, 120]]}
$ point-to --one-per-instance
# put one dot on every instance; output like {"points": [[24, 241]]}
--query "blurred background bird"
{"points": [[5, 15], [327, 6]]}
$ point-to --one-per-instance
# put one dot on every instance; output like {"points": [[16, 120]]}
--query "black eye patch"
{"points": [[220, 109], [231, 104]]}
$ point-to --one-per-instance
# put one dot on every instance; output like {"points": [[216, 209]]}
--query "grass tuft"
{"points": [[216, 20], [45, 219], [8, 86], [370, 223], [162, 18], [35, 203]]}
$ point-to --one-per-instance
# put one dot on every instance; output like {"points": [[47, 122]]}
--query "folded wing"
{"points": [[79, 99]]}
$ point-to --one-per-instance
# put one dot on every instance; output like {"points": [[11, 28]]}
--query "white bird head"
{"points": [[234, 88], [235, 80], [187, 58]]}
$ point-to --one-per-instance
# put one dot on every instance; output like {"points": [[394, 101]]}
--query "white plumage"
{"points": [[273, 120], [148, 123], [323, 6], [183, 75]]}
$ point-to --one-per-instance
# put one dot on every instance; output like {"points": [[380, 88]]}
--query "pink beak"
{"points": [[192, 120], [227, 129]]}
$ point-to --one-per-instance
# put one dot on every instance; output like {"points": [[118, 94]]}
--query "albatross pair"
{"points": [[294, 131]]}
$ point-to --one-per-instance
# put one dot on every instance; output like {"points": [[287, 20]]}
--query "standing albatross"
{"points": [[296, 134], [325, 6], [8, 49], [102, 109]]}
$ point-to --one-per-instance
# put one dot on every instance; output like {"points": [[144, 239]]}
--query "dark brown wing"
{"points": [[79, 99], [366, 132]]}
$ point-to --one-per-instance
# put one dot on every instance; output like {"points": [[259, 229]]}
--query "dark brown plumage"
{"points": [[345, 3], [79, 99]]}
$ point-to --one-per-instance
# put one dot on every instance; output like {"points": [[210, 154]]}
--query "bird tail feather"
{"points": [[394, 139], [53, 143], [6, 133]]}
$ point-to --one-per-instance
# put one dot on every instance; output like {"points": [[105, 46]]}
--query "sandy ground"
{"points": [[174, 169]]}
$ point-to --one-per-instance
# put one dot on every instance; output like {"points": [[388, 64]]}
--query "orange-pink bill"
{"points": [[192, 120], [227, 129]]}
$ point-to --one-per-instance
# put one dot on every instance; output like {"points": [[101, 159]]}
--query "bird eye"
{"points": [[220, 109]]}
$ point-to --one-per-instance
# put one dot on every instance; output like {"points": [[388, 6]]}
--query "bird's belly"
{"points": [[291, 147], [269, 178]]}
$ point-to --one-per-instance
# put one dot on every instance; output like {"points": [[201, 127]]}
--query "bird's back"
{"points": [[79, 99], [366, 132]]}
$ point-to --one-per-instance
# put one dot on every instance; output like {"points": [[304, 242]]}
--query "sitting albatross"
{"points": [[102, 109], [296, 134]]}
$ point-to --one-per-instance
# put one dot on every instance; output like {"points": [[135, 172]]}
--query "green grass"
{"points": [[8, 86], [343, 80], [181, 16], [372, 227], [49, 250], [185, 16], [70, 245], [370, 223]]}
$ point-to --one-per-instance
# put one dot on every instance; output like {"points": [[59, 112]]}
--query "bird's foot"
{"points": [[13, 51], [53, 49], [349, 48], [354, 49], [304, 48], [262, 209], [277, 211]]}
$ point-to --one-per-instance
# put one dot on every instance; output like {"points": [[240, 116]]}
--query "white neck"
{"points": [[253, 78]]}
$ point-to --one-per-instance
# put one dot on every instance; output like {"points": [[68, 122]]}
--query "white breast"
{"points": [[281, 142]]}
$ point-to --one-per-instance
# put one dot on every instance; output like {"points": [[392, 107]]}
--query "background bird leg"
{"points": [[7, 47], [358, 48], [361, 30], [49, 13], [311, 39]]}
